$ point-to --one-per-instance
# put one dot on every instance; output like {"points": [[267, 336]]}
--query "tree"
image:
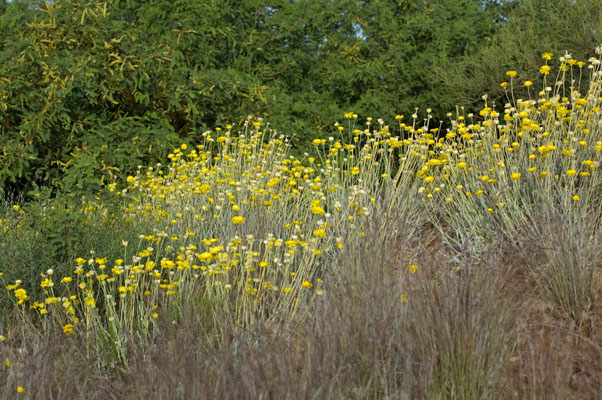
{"points": [[91, 89]]}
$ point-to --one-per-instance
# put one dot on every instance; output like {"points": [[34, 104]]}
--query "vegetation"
{"points": [[198, 199], [90, 90], [401, 261], [529, 28]]}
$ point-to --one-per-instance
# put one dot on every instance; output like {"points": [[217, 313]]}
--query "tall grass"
{"points": [[395, 262]]}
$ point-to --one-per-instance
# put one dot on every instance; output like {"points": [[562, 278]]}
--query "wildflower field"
{"points": [[400, 259]]}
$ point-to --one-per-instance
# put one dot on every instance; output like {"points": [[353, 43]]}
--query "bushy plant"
{"points": [[89, 90], [406, 246]]}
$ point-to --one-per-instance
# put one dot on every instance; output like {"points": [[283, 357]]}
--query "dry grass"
{"points": [[473, 328]]}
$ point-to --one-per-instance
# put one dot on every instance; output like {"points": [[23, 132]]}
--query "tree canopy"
{"points": [[91, 89]]}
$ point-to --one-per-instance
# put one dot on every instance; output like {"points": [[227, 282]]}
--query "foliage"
{"points": [[89, 90], [77, 96], [399, 262], [47, 232], [528, 28]]}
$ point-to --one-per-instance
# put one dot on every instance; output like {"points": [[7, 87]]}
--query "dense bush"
{"points": [[528, 28], [81, 94], [91, 89]]}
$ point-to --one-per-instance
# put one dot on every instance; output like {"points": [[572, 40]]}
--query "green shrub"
{"points": [[91, 89]]}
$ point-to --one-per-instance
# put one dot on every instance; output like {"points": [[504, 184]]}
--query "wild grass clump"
{"points": [[563, 261], [466, 306], [394, 262]]}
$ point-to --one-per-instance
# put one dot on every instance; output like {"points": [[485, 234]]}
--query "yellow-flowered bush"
{"points": [[241, 225]]}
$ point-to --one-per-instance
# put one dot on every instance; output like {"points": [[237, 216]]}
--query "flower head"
{"points": [[238, 219], [68, 329]]}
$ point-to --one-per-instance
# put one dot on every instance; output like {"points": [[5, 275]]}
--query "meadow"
{"points": [[404, 259]]}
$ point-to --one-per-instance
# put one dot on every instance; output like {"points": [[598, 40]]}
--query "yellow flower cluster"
{"points": [[548, 146], [254, 228]]}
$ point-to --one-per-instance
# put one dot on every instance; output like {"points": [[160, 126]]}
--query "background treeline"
{"points": [[89, 90]]}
